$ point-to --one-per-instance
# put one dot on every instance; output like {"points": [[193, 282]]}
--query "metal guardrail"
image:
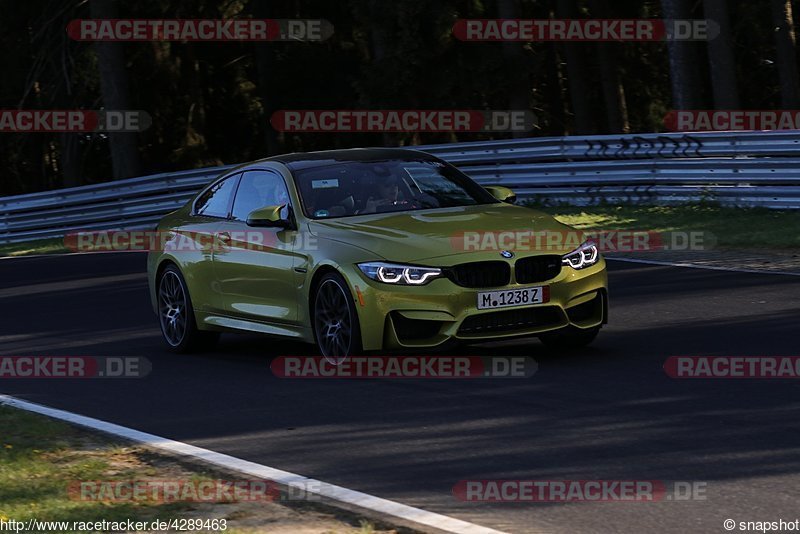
{"points": [[133, 203], [733, 168]]}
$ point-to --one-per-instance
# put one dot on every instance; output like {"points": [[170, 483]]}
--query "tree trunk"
{"points": [[613, 89], [69, 151], [514, 56], [557, 123], [786, 54], [70, 159], [720, 57], [264, 53], [576, 73], [379, 49], [114, 86], [264, 63], [683, 73]]}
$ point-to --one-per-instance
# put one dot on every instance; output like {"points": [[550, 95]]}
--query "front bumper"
{"points": [[428, 316]]}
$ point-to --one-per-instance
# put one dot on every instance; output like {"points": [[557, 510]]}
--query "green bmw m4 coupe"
{"points": [[370, 249]]}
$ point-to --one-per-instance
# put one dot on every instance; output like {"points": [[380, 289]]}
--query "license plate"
{"points": [[513, 297]]}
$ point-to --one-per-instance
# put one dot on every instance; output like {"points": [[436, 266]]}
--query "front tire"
{"points": [[176, 315], [336, 327], [569, 338]]}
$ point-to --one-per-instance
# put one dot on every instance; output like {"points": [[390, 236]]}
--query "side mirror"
{"points": [[269, 217], [503, 194]]}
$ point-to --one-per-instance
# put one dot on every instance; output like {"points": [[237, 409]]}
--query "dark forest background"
{"points": [[211, 102]]}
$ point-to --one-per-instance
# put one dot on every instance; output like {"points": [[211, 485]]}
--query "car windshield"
{"points": [[359, 188]]}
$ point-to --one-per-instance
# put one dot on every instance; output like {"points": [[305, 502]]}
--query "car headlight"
{"points": [[392, 273], [584, 256]]}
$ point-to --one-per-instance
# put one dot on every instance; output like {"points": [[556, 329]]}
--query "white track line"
{"points": [[65, 254], [35, 256], [337, 493], [694, 266]]}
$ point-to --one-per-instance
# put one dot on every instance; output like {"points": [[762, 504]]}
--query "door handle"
{"points": [[225, 237]]}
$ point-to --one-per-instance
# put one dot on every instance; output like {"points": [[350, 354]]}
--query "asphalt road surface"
{"points": [[607, 413]]}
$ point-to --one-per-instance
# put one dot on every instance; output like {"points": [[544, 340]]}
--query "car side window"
{"points": [[259, 189], [216, 201]]}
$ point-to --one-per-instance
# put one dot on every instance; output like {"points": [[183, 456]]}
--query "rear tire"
{"points": [[335, 320], [176, 315], [569, 338]]}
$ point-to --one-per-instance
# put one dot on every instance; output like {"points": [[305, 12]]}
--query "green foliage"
{"points": [[211, 102]]}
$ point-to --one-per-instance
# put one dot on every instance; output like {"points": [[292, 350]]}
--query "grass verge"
{"points": [[746, 228], [41, 457], [53, 245], [734, 228]]}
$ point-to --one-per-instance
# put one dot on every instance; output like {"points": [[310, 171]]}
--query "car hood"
{"points": [[467, 233]]}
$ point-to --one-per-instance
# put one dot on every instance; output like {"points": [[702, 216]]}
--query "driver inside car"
{"points": [[387, 194]]}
